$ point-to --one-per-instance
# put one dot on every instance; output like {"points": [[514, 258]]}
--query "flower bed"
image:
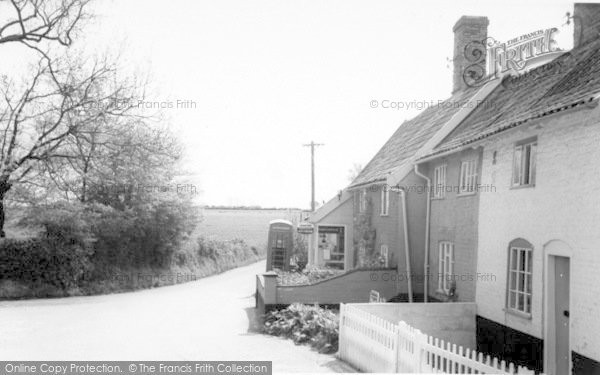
{"points": [[308, 276], [305, 324]]}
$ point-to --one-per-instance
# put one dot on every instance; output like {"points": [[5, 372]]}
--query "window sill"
{"points": [[517, 313], [444, 296], [466, 194], [384, 215], [517, 187]]}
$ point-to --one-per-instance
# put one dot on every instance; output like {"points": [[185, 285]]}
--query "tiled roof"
{"points": [[570, 80], [410, 137]]}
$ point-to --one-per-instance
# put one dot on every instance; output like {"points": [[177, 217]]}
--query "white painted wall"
{"points": [[564, 205]]}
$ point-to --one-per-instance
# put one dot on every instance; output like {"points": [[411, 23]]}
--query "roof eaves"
{"points": [[367, 183], [511, 125]]}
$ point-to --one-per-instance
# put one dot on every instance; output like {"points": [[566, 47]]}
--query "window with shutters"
{"points": [[524, 163], [384, 251], [362, 200], [385, 200], [446, 266], [439, 182], [468, 177]]}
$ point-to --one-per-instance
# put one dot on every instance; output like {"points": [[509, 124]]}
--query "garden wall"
{"points": [[451, 322], [351, 287]]}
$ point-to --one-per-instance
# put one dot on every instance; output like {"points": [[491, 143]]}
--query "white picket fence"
{"points": [[372, 344]]}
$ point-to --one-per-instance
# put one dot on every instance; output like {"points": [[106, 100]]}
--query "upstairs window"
{"points": [[467, 183], [385, 200], [439, 181], [524, 163]]}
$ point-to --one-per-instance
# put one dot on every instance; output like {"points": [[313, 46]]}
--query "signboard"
{"points": [[306, 228]]}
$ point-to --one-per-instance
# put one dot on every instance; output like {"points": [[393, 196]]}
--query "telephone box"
{"points": [[280, 245]]}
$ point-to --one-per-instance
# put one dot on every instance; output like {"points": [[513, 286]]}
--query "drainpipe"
{"points": [[426, 263], [406, 249]]}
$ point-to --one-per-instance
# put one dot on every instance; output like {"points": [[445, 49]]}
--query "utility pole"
{"points": [[312, 146]]}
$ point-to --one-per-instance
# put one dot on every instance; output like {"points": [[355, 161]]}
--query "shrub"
{"points": [[305, 324], [62, 221], [146, 235], [215, 255], [161, 227], [55, 261], [300, 252]]}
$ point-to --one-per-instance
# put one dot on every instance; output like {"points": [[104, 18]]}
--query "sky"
{"points": [[250, 82]]}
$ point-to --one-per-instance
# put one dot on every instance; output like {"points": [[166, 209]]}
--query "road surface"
{"points": [[209, 319]]}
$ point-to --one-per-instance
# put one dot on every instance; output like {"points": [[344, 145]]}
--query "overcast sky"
{"points": [[267, 76]]}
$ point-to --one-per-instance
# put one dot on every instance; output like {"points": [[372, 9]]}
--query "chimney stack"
{"points": [[586, 18], [468, 29]]}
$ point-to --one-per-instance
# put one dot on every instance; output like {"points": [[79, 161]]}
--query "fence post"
{"points": [[418, 350], [341, 338], [397, 346]]}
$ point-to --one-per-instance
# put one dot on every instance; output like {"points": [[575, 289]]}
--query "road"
{"points": [[208, 319]]}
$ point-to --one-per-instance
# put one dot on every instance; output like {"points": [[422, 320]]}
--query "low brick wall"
{"points": [[453, 322], [351, 287]]}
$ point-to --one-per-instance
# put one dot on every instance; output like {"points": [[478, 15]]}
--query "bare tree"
{"points": [[33, 21], [39, 118]]}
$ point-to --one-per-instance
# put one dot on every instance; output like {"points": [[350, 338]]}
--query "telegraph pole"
{"points": [[312, 146]]}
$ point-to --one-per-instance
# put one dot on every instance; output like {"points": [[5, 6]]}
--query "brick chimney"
{"points": [[586, 18], [468, 29]]}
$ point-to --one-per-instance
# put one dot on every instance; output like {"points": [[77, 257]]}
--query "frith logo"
{"points": [[518, 52], [515, 54]]}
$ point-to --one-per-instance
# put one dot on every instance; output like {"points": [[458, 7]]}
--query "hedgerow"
{"points": [[83, 249]]}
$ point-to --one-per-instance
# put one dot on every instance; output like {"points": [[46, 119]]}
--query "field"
{"points": [[250, 225]]}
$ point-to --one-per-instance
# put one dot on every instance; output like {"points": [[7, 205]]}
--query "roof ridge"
{"points": [[432, 114]]}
